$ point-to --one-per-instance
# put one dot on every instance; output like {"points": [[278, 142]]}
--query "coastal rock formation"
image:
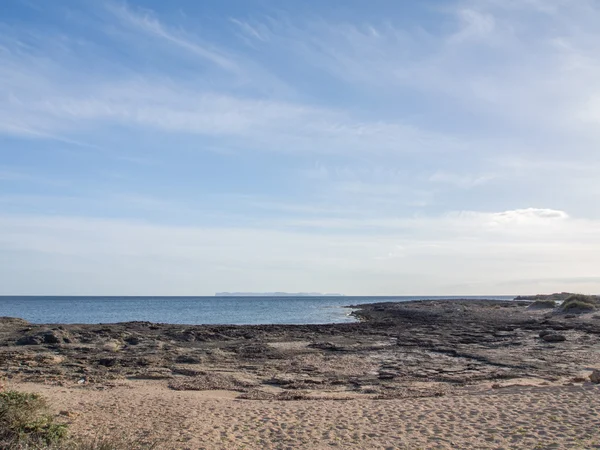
{"points": [[396, 350]]}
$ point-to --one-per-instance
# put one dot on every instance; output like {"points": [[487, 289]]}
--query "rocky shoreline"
{"points": [[396, 350]]}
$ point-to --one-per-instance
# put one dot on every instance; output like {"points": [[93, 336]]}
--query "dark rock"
{"points": [[108, 362], [545, 333], [30, 340], [595, 376], [52, 338], [554, 337], [133, 340], [386, 375], [187, 359]]}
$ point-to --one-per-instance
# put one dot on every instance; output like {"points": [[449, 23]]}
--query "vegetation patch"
{"points": [[25, 422], [580, 302]]}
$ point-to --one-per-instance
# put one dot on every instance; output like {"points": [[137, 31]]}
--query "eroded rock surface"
{"points": [[397, 350]]}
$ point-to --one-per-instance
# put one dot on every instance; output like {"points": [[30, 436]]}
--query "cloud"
{"points": [[465, 181], [519, 64], [148, 23], [46, 109], [133, 257]]}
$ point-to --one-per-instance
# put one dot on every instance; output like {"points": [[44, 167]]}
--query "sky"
{"points": [[381, 147]]}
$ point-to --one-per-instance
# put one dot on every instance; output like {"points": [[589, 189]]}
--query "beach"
{"points": [[431, 374]]}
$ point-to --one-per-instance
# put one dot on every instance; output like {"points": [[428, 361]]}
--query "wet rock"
{"points": [[554, 337]]}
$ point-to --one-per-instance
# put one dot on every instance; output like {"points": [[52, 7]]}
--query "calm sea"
{"points": [[192, 310]]}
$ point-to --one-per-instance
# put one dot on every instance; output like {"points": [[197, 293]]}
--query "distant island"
{"points": [[276, 294]]}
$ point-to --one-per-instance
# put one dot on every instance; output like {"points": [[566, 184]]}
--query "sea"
{"points": [[196, 310]]}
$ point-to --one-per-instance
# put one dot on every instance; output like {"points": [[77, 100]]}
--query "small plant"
{"points": [[25, 421]]}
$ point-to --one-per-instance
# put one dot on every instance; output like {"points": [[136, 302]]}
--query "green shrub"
{"points": [[578, 305], [580, 302], [25, 422]]}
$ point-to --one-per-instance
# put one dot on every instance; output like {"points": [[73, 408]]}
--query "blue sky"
{"points": [[381, 147]]}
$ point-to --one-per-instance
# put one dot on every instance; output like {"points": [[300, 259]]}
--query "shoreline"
{"points": [[427, 354], [191, 310]]}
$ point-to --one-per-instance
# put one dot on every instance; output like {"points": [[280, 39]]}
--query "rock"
{"points": [[133, 340], [108, 362], [187, 359], [29, 340], [595, 376], [386, 375], [52, 338], [281, 380], [325, 346], [554, 337], [545, 332]]}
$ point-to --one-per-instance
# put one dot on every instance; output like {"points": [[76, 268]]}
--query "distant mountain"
{"points": [[276, 294]]}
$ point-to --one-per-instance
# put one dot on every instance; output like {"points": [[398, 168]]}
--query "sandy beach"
{"points": [[516, 418], [427, 375]]}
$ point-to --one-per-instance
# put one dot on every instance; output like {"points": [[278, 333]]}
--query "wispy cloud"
{"points": [[147, 22]]}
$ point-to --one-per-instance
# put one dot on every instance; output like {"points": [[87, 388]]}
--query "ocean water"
{"points": [[193, 310]]}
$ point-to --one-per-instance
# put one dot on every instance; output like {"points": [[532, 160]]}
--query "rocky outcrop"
{"points": [[448, 343]]}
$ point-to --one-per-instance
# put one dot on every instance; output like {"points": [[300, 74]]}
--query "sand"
{"points": [[520, 417]]}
